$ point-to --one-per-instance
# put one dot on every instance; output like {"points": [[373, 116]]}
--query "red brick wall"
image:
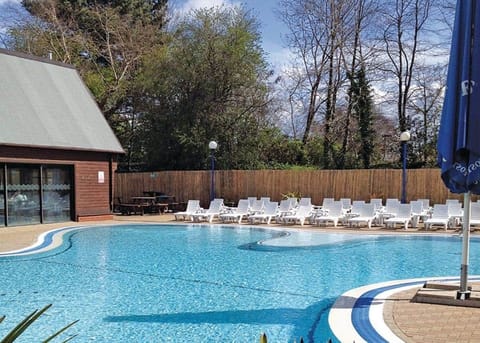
{"points": [[92, 198]]}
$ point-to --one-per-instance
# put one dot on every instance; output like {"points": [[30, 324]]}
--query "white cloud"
{"points": [[4, 2], [281, 58], [189, 5]]}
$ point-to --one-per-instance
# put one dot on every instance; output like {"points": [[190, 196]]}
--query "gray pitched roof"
{"points": [[46, 104]]}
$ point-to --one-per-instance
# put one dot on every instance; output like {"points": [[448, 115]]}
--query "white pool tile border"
{"points": [[45, 241], [51, 239], [349, 327]]}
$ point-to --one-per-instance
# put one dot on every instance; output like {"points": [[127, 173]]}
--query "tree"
{"points": [[362, 108], [106, 41], [355, 54], [426, 105], [327, 38], [208, 84], [404, 22], [314, 37]]}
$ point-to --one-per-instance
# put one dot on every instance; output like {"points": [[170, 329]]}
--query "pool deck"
{"points": [[410, 321]]}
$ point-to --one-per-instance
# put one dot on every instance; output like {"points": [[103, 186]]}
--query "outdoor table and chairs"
{"points": [[151, 204], [144, 204], [167, 202], [144, 200]]}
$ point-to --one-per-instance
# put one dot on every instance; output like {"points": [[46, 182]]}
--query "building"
{"points": [[57, 152]]}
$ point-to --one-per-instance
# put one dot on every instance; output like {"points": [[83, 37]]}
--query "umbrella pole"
{"points": [[464, 293]]}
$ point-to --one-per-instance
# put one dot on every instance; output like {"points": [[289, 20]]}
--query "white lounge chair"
{"points": [[354, 210], [256, 207], [214, 210], [285, 208], [269, 212], [334, 214], [474, 214], [455, 212], [377, 203], [347, 203], [439, 217], [452, 201], [300, 216], [265, 199], [391, 207], [327, 206], [327, 202], [366, 213], [237, 213], [418, 212], [426, 203], [403, 216], [293, 202], [390, 210], [193, 206], [305, 202]]}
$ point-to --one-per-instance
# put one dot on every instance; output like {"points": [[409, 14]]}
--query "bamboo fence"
{"points": [[232, 185]]}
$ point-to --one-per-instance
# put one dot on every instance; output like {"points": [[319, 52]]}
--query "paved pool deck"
{"points": [[410, 321]]}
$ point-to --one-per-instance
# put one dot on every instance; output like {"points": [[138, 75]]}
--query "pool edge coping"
{"points": [[356, 314]]}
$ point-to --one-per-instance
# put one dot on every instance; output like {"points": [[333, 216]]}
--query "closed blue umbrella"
{"points": [[459, 136]]}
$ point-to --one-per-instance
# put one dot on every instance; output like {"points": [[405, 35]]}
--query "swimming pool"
{"points": [[198, 283]]}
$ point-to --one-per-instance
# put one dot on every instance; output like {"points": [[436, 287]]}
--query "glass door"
{"points": [[2, 195], [57, 194], [23, 195]]}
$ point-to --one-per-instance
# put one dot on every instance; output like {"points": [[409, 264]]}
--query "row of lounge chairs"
{"points": [[357, 213], [256, 211]]}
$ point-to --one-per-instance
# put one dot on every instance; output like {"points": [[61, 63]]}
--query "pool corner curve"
{"points": [[357, 315]]}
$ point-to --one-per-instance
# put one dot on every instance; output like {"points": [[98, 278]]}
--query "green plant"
{"points": [[287, 195], [29, 320]]}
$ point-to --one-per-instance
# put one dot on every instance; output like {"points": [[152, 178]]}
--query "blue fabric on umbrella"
{"points": [[459, 136]]}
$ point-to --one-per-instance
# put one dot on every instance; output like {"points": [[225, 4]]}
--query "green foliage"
{"points": [[288, 195], [363, 110], [166, 94], [207, 85], [29, 320], [94, 83], [314, 151], [106, 41], [279, 151]]}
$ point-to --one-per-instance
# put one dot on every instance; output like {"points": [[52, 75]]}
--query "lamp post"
{"points": [[212, 146], [404, 138]]}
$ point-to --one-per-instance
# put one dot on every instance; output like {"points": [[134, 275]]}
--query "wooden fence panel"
{"points": [[232, 185]]}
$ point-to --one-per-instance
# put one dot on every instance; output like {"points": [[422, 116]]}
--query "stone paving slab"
{"points": [[422, 322]]}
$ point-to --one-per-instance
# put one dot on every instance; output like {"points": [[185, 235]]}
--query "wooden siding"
{"points": [[233, 185], [92, 198]]}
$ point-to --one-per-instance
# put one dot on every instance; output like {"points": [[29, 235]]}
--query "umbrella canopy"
{"points": [[459, 136]]}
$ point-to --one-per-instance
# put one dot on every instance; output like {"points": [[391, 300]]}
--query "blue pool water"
{"points": [[191, 283]]}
